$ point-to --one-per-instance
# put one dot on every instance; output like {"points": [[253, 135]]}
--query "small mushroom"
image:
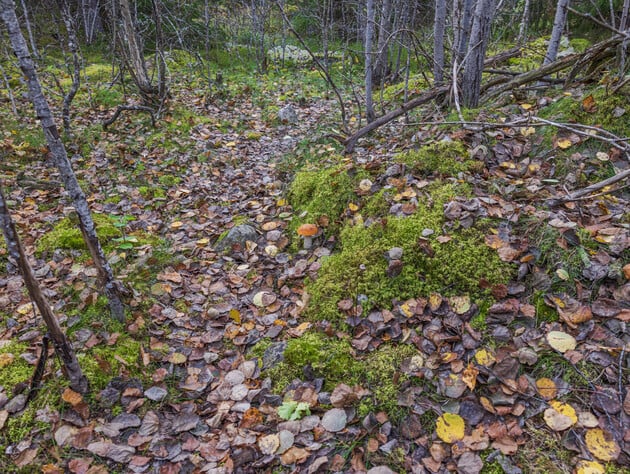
{"points": [[307, 231]]}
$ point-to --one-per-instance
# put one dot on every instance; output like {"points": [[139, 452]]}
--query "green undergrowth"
{"points": [[359, 268], [66, 234], [445, 158], [325, 193], [335, 360]]}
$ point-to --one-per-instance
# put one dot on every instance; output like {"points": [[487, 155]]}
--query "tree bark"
{"points": [[558, 26], [369, 71], [64, 350], [29, 30], [473, 69], [462, 18], [91, 19], [73, 46], [522, 28], [438, 41], [57, 149], [381, 65]]}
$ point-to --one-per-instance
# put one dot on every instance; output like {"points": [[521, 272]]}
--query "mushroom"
{"points": [[307, 231]]}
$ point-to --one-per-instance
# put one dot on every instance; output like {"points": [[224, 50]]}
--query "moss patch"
{"points": [[456, 267], [67, 235], [314, 194], [446, 158]]}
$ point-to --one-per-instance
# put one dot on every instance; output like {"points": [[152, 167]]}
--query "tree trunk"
{"points": [[522, 29], [381, 66], [58, 151], [462, 17], [438, 41], [159, 53], [369, 38], [64, 350], [558, 26], [73, 46], [471, 84], [29, 30], [91, 19]]}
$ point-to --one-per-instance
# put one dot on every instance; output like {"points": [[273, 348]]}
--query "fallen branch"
{"points": [[585, 192], [139, 108], [428, 96]]}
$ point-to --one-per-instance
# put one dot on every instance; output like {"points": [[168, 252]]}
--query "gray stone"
{"points": [[237, 235], [156, 394], [16, 404], [274, 354], [287, 114]]}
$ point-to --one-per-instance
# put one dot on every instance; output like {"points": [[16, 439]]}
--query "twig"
{"points": [[141, 108], [588, 16]]}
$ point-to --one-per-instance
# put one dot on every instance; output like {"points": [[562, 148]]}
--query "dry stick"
{"points": [[120, 108], [70, 365], [110, 287], [319, 65]]}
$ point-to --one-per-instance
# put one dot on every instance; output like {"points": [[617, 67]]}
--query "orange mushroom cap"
{"points": [[307, 230]]}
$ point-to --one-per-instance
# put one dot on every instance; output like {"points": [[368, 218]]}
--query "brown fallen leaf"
{"points": [[294, 455]]}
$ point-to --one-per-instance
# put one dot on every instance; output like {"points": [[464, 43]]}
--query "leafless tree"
{"points": [[370, 20], [439, 27], [558, 27], [110, 286], [473, 62]]}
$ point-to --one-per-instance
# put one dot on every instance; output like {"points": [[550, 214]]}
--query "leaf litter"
{"points": [[208, 407]]}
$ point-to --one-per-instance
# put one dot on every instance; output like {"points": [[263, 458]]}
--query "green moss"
{"points": [[396, 92], [253, 135], [17, 371], [326, 192], [102, 362], [169, 180], [107, 97], [579, 44], [377, 204], [67, 235], [446, 158], [359, 268], [544, 312], [330, 358]]}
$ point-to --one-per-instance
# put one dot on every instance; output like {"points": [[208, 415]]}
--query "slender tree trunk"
{"points": [[522, 29], [439, 26], [7, 84], [381, 65], [91, 19], [29, 30], [623, 26], [159, 54], [64, 350], [471, 84], [369, 71], [464, 21], [558, 26], [73, 46], [58, 151]]}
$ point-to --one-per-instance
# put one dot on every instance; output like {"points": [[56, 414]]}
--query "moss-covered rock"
{"points": [[445, 158], [359, 268]]}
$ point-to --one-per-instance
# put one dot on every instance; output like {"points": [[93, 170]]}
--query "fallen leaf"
{"points": [[71, 397], [547, 388], [470, 376], [560, 416], [561, 341], [450, 427], [589, 467], [602, 445], [269, 444]]}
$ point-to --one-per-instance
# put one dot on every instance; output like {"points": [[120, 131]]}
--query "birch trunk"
{"points": [[58, 151], [369, 38], [558, 26], [438, 41], [463, 20], [64, 350], [73, 46], [522, 29], [29, 30], [381, 65], [480, 32]]}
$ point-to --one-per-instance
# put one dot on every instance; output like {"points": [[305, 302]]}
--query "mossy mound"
{"points": [[325, 193], [445, 158], [359, 268], [335, 360], [67, 235]]}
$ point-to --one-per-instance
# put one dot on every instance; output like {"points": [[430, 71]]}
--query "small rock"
{"points": [[156, 394], [16, 403], [273, 355], [334, 420], [234, 377], [395, 253], [287, 114], [237, 235]]}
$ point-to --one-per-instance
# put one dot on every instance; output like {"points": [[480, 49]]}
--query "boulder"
{"points": [[237, 235], [287, 114]]}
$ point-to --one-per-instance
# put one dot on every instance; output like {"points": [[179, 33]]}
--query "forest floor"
{"points": [[511, 356]]}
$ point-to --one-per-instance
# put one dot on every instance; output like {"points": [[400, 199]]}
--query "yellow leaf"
{"points": [[602, 445], [281, 202], [589, 467], [470, 376], [230, 144], [450, 427], [6, 359], [561, 341], [547, 388], [353, 207], [560, 416], [526, 106], [177, 225], [177, 358], [202, 242], [460, 304], [564, 143], [527, 131], [484, 357], [235, 315]]}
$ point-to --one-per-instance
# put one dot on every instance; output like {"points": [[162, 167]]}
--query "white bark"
{"points": [[438, 41], [558, 26], [369, 38], [522, 29]]}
